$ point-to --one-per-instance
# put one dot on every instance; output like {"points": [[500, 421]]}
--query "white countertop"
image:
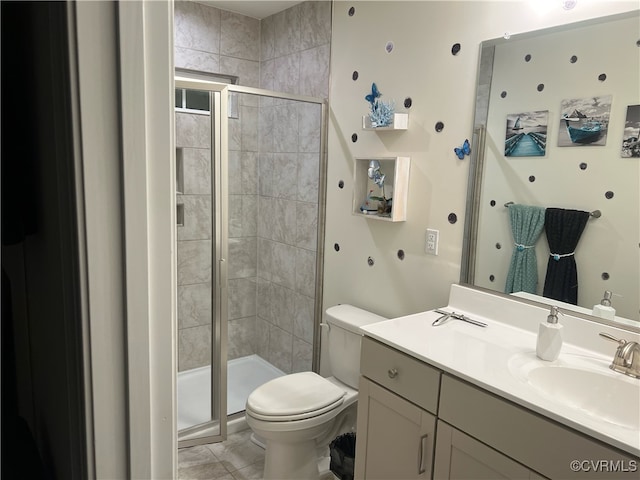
{"points": [[482, 357]]}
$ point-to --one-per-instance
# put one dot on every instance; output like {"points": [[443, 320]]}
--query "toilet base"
{"points": [[291, 461]]}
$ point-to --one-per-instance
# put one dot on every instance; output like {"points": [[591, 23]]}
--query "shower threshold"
{"points": [[244, 375]]}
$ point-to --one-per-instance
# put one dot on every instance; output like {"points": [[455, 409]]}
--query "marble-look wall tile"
{"points": [[280, 348], [302, 357], [266, 128], [242, 337], [234, 140], [285, 175], [249, 121], [277, 219], [315, 24], [197, 60], [242, 257], [278, 305], [194, 305], [265, 174], [240, 36], [303, 324], [305, 272], [314, 71], [287, 31], [277, 262], [243, 216], [309, 119], [247, 71], [196, 170], [197, 217], [308, 177], [193, 130], [194, 347], [262, 333], [285, 129], [194, 262], [234, 158], [306, 225], [267, 39], [197, 26], [249, 174], [287, 73], [242, 297]]}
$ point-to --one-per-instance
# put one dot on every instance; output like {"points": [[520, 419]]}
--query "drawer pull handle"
{"points": [[393, 373], [423, 455]]}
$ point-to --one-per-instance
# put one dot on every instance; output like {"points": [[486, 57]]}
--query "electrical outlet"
{"points": [[431, 244]]}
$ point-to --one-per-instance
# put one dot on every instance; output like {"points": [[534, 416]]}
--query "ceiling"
{"points": [[252, 8]]}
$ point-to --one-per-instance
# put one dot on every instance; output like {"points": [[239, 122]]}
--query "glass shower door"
{"points": [[201, 212]]}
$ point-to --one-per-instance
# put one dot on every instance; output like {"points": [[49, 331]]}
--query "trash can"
{"points": [[343, 453]]}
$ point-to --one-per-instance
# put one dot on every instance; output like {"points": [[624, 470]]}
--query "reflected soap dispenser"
{"points": [[604, 308], [549, 337]]}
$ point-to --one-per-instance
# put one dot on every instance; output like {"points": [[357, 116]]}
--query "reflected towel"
{"points": [[564, 229], [526, 226]]}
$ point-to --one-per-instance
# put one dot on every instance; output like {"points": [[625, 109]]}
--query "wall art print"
{"points": [[631, 135], [526, 134], [584, 121]]}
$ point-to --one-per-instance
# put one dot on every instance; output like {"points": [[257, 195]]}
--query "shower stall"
{"points": [[250, 183]]}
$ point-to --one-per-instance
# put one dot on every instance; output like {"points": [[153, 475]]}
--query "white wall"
{"points": [[442, 88]]}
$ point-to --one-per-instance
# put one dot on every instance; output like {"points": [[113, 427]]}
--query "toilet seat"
{"points": [[293, 397]]}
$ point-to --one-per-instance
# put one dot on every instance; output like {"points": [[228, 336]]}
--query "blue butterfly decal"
{"points": [[464, 150], [374, 94]]}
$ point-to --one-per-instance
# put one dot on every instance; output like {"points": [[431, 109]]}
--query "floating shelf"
{"points": [[396, 187], [400, 122]]}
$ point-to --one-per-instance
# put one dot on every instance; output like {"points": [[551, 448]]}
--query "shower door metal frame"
{"points": [[204, 433], [322, 197], [194, 435]]}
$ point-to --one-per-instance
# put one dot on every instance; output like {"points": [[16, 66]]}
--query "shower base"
{"points": [[244, 375]]}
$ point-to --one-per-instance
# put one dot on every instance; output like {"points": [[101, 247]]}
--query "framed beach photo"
{"points": [[526, 134], [584, 121], [631, 135]]}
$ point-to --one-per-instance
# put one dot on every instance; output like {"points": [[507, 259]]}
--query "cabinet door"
{"points": [[395, 438], [458, 456]]}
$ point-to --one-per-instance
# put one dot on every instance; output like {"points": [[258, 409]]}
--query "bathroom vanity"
{"points": [[463, 401]]}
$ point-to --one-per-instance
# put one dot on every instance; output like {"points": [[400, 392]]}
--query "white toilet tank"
{"points": [[344, 340]]}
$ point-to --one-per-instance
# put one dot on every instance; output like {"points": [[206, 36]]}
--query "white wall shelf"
{"points": [[400, 122], [396, 187]]}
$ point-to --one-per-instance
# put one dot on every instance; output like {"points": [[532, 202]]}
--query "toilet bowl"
{"points": [[298, 415]]}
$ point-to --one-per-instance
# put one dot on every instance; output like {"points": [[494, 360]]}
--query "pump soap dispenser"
{"points": [[604, 309], [549, 337]]}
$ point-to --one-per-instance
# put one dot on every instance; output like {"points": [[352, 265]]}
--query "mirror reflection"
{"points": [[554, 205]]}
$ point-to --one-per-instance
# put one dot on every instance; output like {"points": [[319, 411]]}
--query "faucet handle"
{"points": [[619, 341]]}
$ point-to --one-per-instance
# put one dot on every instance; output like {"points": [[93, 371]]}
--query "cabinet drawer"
{"points": [[539, 443], [410, 378]]}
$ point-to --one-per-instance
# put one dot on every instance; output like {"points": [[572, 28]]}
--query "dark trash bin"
{"points": [[343, 453]]}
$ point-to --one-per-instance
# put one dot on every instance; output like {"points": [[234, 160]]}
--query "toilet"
{"points": [[298, 415]]}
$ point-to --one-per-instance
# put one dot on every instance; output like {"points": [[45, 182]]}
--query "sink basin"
{"points": [[585, 384]]}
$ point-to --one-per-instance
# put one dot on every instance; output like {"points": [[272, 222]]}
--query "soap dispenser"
{"points": [[604, 308], [549, 337]]}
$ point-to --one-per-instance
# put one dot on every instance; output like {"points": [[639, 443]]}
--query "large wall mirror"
{"points": [[556, 166]]}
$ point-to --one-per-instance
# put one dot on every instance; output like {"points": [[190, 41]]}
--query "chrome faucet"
{"points": [[627, 358]]}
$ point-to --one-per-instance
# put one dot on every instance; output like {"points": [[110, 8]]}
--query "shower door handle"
{"points": [[223, 273]]}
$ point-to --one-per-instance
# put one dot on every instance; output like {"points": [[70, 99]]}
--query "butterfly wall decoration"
{"points": [[464, 150], [374, 95]]}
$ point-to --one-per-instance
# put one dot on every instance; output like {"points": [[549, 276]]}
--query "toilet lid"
{"points": [[293, 395]]}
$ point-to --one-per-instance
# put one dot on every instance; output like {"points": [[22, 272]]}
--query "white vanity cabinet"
{"points": [[416, 421], [396, 433]]}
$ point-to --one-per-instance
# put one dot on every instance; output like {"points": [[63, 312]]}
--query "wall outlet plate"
{"points": [[431, 241]]}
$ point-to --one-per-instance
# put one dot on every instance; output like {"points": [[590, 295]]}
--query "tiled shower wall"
{"points": [[274, 163]]}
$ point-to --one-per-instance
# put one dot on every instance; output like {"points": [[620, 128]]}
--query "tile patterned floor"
{"points": [[237, 458]]}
